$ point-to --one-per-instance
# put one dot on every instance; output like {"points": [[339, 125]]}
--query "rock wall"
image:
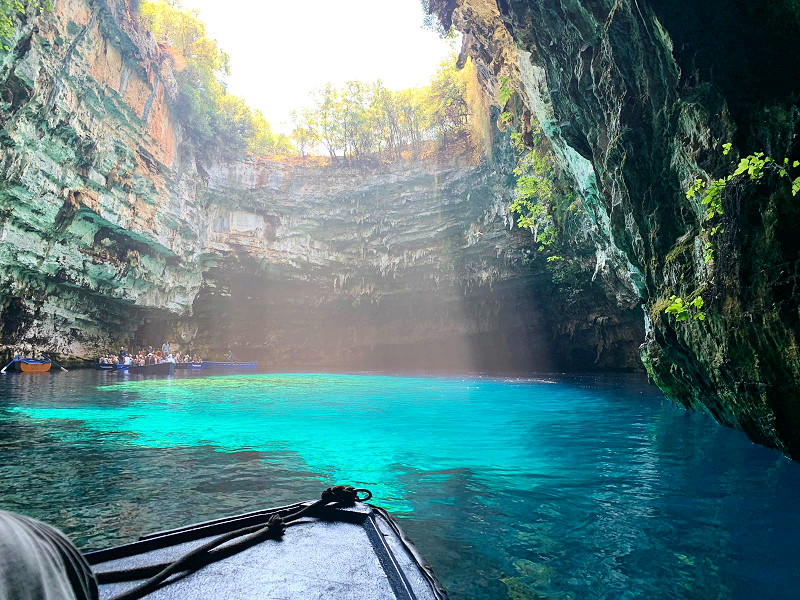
{"points": [[97, 204], [636, 98], [116, 230], [410, 266]]}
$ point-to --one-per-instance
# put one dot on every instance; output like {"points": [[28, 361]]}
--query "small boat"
{"points": [[334, 548], [165, 368], [109, 367], [32, 365], [231, 365]]}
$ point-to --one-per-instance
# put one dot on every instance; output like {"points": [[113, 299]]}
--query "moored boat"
{"points": [[32, 365], [166, 368], [109, 367], [331, 548], [188, 365], [230, 365]]}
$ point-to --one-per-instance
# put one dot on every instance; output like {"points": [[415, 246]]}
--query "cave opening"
{"points": [[370, 219]]}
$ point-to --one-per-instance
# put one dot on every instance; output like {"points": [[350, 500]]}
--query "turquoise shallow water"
{"points": [[580, 487]]}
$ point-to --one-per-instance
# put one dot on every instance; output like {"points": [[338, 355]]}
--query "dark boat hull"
{"points": [[104, 367], [229, 366], [342, 553], [159, 369]]}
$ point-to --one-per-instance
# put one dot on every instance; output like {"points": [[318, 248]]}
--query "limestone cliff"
{"points": [[97, 196], [116, 229], [636, 98], [407, 266]]}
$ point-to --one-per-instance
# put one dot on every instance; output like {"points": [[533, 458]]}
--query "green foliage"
{"points": [[304, 136], [752, 167], [505, 92], [683, 309], [212, 116], [358, 121], [13, 10], [361, 120], [517, 141], [534, 195]]}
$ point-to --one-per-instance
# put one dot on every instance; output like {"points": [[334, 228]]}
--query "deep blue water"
{"points": [[563, 487]]}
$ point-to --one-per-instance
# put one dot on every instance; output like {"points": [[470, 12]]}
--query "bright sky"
{"points": [[280, 51]]}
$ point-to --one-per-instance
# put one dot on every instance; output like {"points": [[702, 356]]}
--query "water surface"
{"points": [[578, 487]]}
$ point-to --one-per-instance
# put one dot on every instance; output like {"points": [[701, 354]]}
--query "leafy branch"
{"points": [[754, 167], [683, 309], [505, 92], [534, 194]]}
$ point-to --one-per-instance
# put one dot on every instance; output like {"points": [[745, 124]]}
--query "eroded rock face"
{"points": [[411, 266], [115, 231], [97, 202], [636, 98]]}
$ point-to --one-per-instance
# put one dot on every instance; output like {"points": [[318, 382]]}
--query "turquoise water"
{"points": [[581, 487]]}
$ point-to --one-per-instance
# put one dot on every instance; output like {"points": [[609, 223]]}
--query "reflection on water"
{"points": [[583, 487]]}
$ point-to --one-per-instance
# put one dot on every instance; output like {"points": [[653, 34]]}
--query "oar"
{"points": [[54, 362], [3, 370]]}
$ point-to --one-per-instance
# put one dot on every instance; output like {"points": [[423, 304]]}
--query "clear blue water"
{"points": [[580, 487]]}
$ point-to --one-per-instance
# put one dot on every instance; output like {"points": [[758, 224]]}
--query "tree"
{"points": [[13, 10], [450, 113], [363, 121], [214, 117], [304, 133], [326, 118]]}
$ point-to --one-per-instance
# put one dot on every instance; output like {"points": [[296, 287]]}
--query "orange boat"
{"points": [[30, 365]]}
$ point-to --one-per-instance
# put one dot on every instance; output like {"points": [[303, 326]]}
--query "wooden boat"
{"points": [[166, 368], [231, 365], [334, 549], [32, 365], [107, 367]]}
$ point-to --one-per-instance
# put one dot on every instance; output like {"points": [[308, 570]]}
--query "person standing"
{"points": [[165, 349]]}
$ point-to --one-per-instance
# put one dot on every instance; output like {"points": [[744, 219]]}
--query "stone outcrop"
{"points": [[408, 266], [636, 98], [96, 196], [115, 229]]}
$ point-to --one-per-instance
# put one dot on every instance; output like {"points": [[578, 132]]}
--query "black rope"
{"points": [[211, 552]]}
